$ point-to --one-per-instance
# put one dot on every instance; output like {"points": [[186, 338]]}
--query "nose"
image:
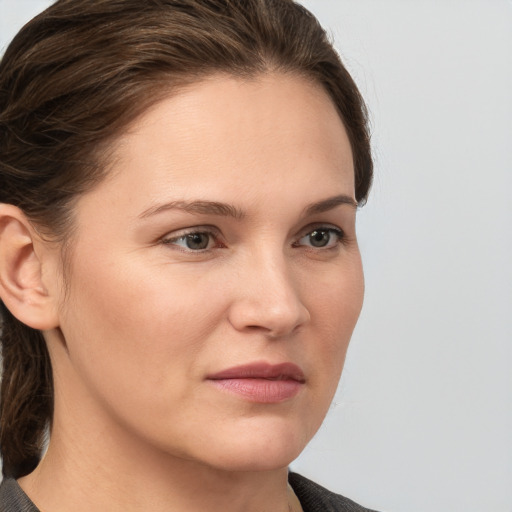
{"points": [[267, 299]]}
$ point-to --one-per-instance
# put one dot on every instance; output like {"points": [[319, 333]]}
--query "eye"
{"points": [[194, 241], [321, 238]]}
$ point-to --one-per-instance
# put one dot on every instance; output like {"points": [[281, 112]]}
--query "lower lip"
{"points": [[264, 391]]}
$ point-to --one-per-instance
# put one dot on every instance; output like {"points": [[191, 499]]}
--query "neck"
{"points": [[61, 485], [107, 470]]}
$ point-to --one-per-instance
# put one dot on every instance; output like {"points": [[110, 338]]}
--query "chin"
{"points": [[259, 448], [255, 460]]}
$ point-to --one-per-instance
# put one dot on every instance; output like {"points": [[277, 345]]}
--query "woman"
{"points": [[180, 274]]}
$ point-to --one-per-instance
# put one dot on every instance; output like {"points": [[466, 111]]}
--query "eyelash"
{"points": [[213, 234]]}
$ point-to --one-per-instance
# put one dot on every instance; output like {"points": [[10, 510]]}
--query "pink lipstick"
{"points": [[261, 382]]}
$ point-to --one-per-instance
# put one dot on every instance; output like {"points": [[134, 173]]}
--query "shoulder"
{"points": [[13, 499], [315, 498]]}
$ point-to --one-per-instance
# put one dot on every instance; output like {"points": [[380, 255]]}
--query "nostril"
{"points": [[249, 317]]}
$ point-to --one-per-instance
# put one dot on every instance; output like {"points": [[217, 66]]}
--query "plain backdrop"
{"points": [[422, 420]]}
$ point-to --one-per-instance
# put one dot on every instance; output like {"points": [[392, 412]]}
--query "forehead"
{"points": [[225, 135]]}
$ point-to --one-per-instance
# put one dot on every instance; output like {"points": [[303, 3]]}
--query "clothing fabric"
{"points": [[13, 499], [312, 497], [315, 498]]}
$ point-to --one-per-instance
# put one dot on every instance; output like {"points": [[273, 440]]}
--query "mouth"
{"points": [[261, 382]]}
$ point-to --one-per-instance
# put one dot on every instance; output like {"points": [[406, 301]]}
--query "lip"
{"points": [[261, 382]]}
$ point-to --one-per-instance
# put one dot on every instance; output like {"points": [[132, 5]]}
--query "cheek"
{"points": [[128, 320], [335, 306], [336, 295]]}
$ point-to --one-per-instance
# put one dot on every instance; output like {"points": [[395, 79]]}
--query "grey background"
{"points": [[423, 417]]}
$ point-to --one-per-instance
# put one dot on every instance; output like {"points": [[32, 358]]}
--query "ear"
{"points": [[21, 271]]}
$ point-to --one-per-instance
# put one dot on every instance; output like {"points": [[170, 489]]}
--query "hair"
{"points": [[74, 77]]}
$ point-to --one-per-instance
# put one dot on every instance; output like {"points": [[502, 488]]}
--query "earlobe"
{"points": [[21, 285]]}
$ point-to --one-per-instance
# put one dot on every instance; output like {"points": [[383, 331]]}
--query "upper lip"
{"points": [[261, 370]]}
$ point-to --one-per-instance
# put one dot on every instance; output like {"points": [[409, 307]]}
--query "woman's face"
{"points": [[215, 277]]}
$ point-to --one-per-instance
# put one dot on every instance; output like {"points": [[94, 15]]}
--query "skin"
{"points": [[143, 320]]}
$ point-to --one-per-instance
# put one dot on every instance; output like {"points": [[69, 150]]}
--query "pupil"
{"points": [[319, 238], [197, 241]]}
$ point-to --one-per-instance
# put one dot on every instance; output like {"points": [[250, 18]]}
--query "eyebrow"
{"points": [[199, 207], [330, 204], [228, 210]]}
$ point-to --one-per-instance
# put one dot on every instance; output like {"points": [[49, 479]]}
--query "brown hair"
{"points": [[74, 77]]}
